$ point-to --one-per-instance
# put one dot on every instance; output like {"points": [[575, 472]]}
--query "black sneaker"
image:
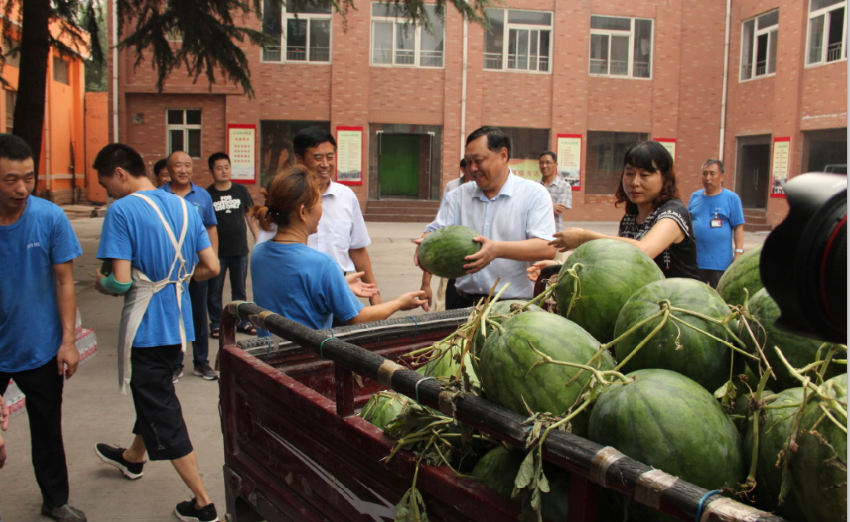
{"points": [[66, 513], [114, 456], [188, 512], [206, 372]]}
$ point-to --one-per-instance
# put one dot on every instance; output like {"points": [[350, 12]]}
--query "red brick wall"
{"points": [[682, 100]]}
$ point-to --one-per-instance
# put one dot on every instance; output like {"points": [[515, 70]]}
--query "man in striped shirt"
{"points": [[560, 191]]}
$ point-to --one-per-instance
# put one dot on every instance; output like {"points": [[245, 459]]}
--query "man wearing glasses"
{"points": [[560, 191]]}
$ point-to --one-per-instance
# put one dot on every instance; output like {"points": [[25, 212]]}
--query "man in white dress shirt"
{"points": [[513, 217], [342, 232]]}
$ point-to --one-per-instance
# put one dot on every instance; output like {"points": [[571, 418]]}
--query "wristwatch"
{"points": [[739, 251]]}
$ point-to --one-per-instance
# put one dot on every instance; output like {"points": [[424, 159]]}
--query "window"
{"points": [[620, 46], [304, 32], [11, 98], [529, 38], [60, 70], [758, 45], [827, 37], [184, 131], [13, 59], [605, 153], [396, 42], [825, 151]]}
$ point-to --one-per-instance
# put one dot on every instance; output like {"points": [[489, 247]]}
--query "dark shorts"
{"points": [[710, 277], [159, 418]]}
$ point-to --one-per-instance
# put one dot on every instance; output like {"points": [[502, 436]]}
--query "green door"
{"points": [[399, 165]]}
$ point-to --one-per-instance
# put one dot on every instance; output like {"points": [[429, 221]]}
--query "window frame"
{"points": [[824, 54], [285, 16], [755, 38], [631, 60], [506, 32], [417, 41], [185, 127]]}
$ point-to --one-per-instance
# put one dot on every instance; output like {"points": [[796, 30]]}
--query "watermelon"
{"points": [[819, 468], [383, 407], [611, 272], [445, 363], [508, 358], [742, 274], [498, 470], [499, 313], [671, 423], [774, 429], [696, 355], [798, 351], [443, 252]]}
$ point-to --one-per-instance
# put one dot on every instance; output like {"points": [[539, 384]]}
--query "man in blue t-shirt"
{"points": [[180, 170], [718, 220], [152, 240], [37, 248]]}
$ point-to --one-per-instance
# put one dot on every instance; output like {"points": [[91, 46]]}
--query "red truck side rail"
{"points": [[295, 451]]}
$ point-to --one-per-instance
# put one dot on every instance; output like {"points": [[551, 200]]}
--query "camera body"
{"points": [[804, 260]]}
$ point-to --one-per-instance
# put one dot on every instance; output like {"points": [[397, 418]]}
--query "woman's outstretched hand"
{"points": [[360, 288], [568, 239]]}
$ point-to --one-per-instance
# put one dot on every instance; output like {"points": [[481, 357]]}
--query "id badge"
{"points": [[716, 223]]}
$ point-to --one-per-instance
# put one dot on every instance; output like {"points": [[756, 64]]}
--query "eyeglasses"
{"points": [[547, 163]]}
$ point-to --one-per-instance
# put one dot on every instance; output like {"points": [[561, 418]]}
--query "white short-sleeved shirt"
{"points": [[522, 210], [340, 229]]}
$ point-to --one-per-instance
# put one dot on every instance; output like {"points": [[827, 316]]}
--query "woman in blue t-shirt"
{"points": [[293, 280], [656, 220]]}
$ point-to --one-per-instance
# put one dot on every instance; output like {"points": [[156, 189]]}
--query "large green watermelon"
{"points": [[798, 350], [671, 423], [383, 407], [743, 273], [774, 428], [498, 470], [610, 272], [508, 358], [677, 347], [443, 251], [499, 313], [819, 468], [445, 363]]}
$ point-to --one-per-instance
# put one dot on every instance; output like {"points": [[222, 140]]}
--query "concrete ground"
{"points": [[94, 411]]}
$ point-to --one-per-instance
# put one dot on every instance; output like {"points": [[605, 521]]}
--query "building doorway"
{"points": [[398, 167], [753, 171]]}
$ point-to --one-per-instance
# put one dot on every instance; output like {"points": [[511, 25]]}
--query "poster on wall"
{"points": [[349, 155], [242, 149], [670, 145], [781, 154], [569, 159]]}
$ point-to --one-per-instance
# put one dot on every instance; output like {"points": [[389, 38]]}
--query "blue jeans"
{"points": [[238, 266], [201, 344]]}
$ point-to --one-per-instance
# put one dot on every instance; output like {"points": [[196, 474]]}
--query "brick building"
{"points": [[609, 73]]}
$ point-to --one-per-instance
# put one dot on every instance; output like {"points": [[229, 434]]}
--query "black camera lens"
{"points": [[804, 260]]}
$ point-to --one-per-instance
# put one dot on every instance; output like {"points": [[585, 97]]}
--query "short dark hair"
{"points": [[118, 155], [159, 165], [215, 157], [549, 153], [463, 163], [496, 139], [650, 156], [309, 138], [713, 161], [14, 148]]}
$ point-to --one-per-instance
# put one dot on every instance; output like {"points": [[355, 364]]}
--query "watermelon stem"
{"points": [[576, 293], [665, 313], [600, 375], [721, 341]]}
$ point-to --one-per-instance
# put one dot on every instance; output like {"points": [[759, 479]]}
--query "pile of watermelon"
{"points": [[696, 382]]}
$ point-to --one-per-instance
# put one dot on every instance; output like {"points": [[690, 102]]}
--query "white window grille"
{"points": [[827, 35], [183, 127], [528, 35], [620, 46], [300, 35], [759, 38], [397, 42]]}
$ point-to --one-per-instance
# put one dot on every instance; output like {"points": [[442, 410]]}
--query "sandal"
{"points": [[247, 329], [214, 333]]}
